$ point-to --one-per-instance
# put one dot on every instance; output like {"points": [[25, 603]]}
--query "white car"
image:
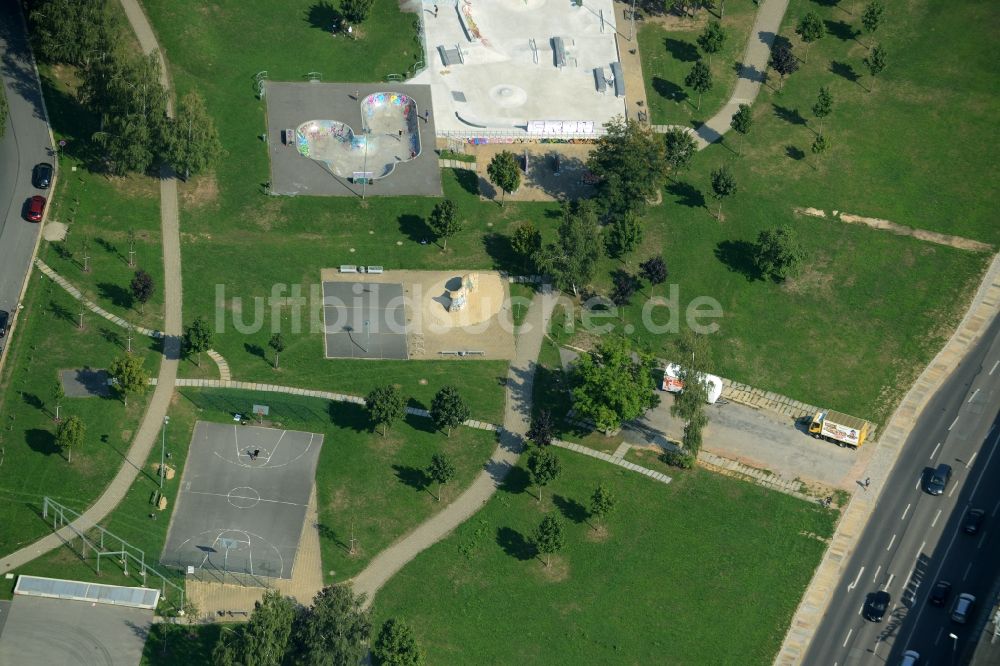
{"points": [[910, 658], [962, 609], [672, 382]]}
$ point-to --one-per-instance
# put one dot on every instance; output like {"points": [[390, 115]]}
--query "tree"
{"points": [[679, 147], [629, 159], [448, 409], [397, 646], [624, 235], [602, 503], [129, 375], [356, 11], [810, 28], [712, 38], [871, 18], [823, 106], [192, 141], [689, 404], [875, 62], [820, 145], [699, 79], [778, 253], [277, 343], [624, 287], [742, 122], [654, 270], [783, 61], [548, 537], [504, 172], [335, 630], [542, 430], [385, 404], [141, 288], [723, 185], [543, 468], [73, 32], [198, 338], [70, 434], [443, 221], [526, 241], [265, 639], [610, 386], [58, 395], [572, 259], [441, 470]]}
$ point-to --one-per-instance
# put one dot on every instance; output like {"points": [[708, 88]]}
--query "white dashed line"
{"points": [[967, 570], [848, 637], [953, 423], [905, 511], [934, 452], [971, 397], [875, 577], [891, 541], [934, 522], [994, 367]]}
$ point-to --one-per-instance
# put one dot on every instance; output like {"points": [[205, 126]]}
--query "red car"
{"points": [[36, 206]]}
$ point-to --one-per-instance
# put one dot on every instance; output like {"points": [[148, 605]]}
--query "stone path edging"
{"points": [[981, 312], [457, 164], [614, 460]]}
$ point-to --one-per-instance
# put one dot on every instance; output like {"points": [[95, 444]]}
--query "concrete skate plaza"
{"points": [[321, 136], [510, 76], [408, 315], [240, 515]]}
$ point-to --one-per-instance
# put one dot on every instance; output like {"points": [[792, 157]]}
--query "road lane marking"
{"points": [[953, 423], [995, 508], [848, 637], [971, 397], [938, 638], [982, 472], [921, 551], [855, 583], [905, 511], [952, 491], [967, 570], [936, 576], [875, 577], [934, 522], [982, 540], [934, 452], [891, 541], [994, 367], [891, 576], [973, 457], [919, 479]]}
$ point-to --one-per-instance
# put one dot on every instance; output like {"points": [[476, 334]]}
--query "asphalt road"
{"points": [[25, 143], [914, 539]]}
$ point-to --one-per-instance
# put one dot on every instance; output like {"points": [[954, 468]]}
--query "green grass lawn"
{"points": [[667, 58], [676, 572], [47, 340], [171, 644]]}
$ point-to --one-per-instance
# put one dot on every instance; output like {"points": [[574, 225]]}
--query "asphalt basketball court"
{"points": [[364, 320], [240, 512]]}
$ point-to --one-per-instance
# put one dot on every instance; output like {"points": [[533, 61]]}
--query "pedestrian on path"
{"points": [[868, 482]]}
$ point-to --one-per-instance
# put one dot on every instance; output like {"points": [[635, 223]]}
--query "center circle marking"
{"points": [[243, 497]]}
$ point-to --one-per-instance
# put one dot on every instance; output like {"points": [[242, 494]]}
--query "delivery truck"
{"points": [[840, 429]]}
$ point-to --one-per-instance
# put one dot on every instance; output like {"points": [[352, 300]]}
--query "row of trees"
{"points": [[334, 630], [123, 90], [386, 405]]}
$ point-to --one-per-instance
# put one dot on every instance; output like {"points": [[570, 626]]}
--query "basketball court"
{"points": [[243, 500], [364, 320]]}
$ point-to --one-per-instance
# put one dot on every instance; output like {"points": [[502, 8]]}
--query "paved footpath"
{"points": [[520, 380], [158, 404]]}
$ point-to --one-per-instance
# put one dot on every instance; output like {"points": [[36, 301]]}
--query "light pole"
{"points": [[954, 647], [631, 27], [163, 448]]}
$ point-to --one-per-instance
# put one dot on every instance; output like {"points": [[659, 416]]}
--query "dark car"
{"points": [[41, 176], [940, 593], [938, 480], [4, 322], [876, 604], [36, 206], [973, 520]]}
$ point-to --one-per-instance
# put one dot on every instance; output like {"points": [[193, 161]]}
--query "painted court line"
{"points": [[228, 496]]}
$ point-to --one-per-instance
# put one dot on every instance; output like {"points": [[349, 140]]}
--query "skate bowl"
{"points": [[388, 135]]}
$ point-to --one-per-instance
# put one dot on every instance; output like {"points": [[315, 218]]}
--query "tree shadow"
{"points": [[118, 295], [795, 153], [61, 312], [412, 477], [420, 423], [41, 441], [33, 400], [323, 16], [826, 3], [844, 70], [571, 509], [111, 335], [681, 50], [328, 533], [469, 180], [738, 257], [415, 228], [841, 30], [108, 246], [517, 481], [687, 194], [254, 350], [514, 544], [500, 250], [789, 115], [668, 89], [750, 72]]}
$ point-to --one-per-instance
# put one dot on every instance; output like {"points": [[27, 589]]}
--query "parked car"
{"points": [[910, 658], [876, 604], [940, 593], [962, 609], [4, 322], [41, 175], [938, 480], [36, 206], [973, 521]]}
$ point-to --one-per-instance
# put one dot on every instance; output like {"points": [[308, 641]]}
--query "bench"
{"points": [[559, 50], [376, 270], [348, 269], [600, 80], [616, 72]]}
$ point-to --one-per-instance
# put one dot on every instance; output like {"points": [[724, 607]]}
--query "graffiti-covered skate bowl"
{"points": [[389, 135]]}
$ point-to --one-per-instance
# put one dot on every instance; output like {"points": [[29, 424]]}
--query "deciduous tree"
{"points": [[385, 405], [441, 470], [58, 395], [334, 631], [654, 270], [198, 338], [699, 79], [548, 538], [526, 241], [70, 434], [356, 11], [264, 640], [572, 259], [193, 144], [810, 29], [691, 350], [871, 18], [820, 145], [624, 234], [397, 646], [778, 253], [141, 288], [130, 376], [629, 159], [610, 386], [542, 430], [823, 106], [602, 503], [875, 62], [504, 172], [742, 122], [712, 39], [723, 185], [679, 147], [448, 409], [783, 61], [277, 343], [543, 468], [444, 222], [624, 287]]}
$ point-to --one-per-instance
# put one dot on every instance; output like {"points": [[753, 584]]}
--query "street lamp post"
{"points": [[954, 647], [163, 448], [631, 27]]}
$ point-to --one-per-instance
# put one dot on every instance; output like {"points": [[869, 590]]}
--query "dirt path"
{"points": [[902, 230]]}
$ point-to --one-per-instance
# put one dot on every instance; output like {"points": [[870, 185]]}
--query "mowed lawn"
{"points": [[704, 570]]}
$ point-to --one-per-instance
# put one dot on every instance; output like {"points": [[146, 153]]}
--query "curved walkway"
{"points": [[150, 426]]}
